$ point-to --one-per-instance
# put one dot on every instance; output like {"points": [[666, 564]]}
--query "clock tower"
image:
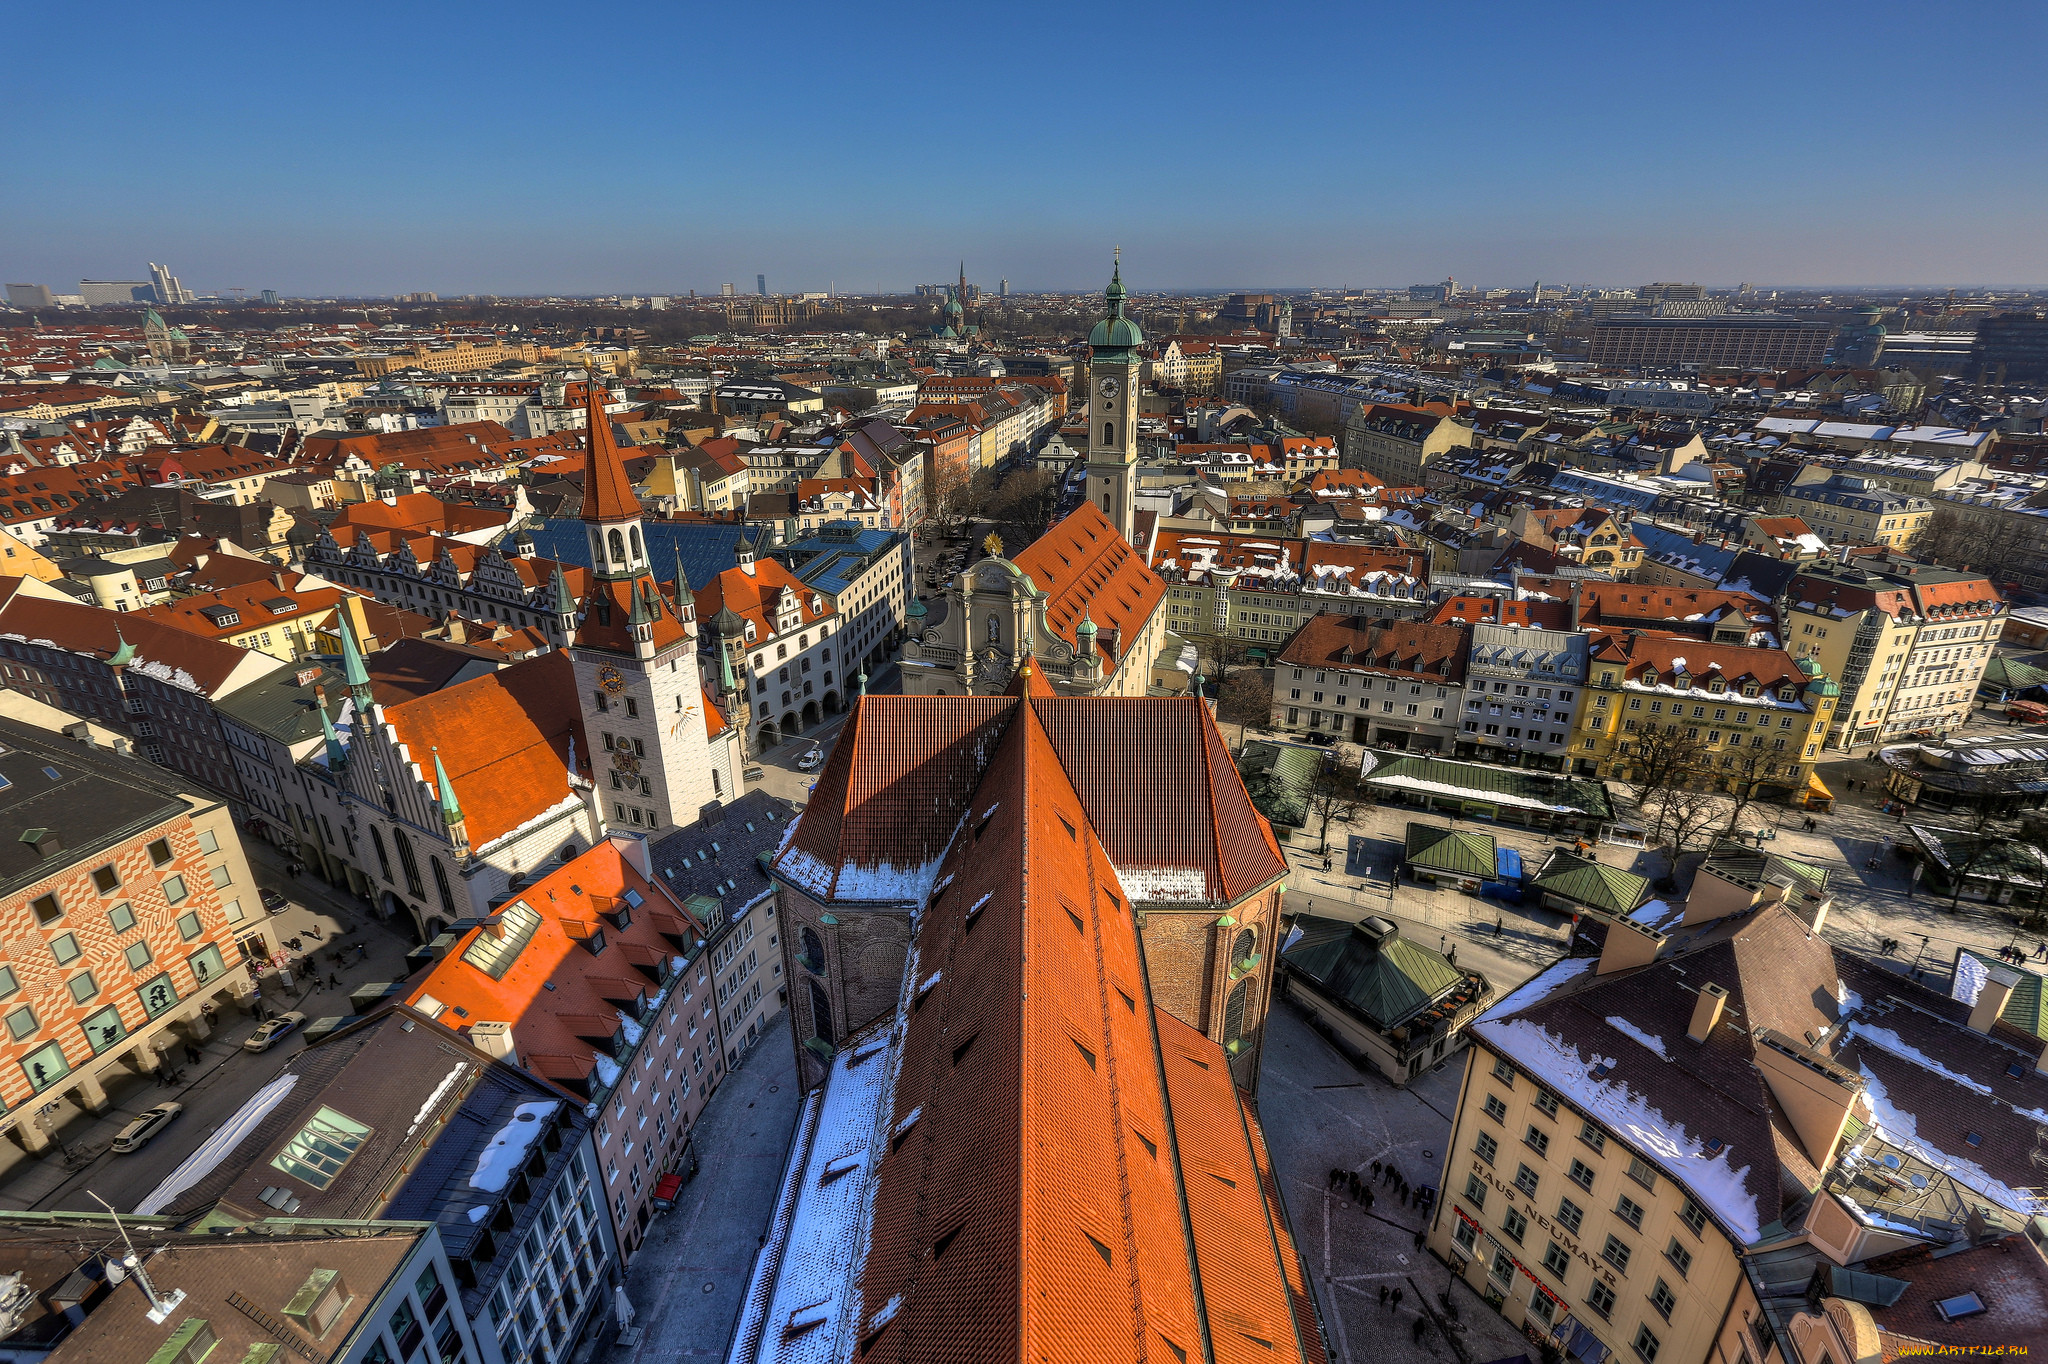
{"points": [[636, 661], [1114, 366]]}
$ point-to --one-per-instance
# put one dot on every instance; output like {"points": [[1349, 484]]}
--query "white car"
{"points": [[136, 1134], [811, 760], [271, 1030]]}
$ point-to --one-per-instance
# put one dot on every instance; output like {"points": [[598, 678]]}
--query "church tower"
{"points": [[636, 659], [1114, 367]]}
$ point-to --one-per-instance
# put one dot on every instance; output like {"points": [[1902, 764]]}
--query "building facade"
{"points": [[1368, 682], [1523, 690]]}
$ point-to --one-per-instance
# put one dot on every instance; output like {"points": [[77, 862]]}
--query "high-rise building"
{"points": [[270, 298], [1002, 288], [169, 288], [1762, 340], [2010, 348], [30, 296], [761, 285], [727, 290]]}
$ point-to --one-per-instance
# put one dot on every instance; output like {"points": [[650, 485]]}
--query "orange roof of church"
{"points": [[1087, 568], [607, 492], [1023, 1209]]}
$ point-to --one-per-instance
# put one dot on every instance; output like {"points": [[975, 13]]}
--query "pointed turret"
{"points": [[565, 605], [124, 655], [451, 809], [337, 756], [607, 492], [352, 670]]}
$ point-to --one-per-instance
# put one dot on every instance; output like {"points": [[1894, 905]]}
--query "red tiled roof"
{"points": [[1546, 615], [1403, 648], [504, 738], [607, 492], [754, 597], [1087, 568]]}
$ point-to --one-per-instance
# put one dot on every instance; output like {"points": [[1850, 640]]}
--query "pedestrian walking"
{"points": [[1397, 1299], [1498, 924], [1452, 955], [1421, 1325], [1368, 1200], [193, 1055], [1375, 1169], [1336, 1176], [1383, 1295], [2041, 950], [334, 979]]}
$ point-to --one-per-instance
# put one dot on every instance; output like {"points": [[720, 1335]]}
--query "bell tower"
{"points": [[1114, 366]]}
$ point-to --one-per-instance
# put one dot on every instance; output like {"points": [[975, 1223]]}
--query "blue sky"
{"points": [[521, 148]]}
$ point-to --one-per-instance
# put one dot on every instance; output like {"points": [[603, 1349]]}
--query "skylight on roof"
{"points": [[316, 1154]]}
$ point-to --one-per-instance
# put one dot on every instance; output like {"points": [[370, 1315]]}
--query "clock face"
{"points": [[611, 679], [1109, 387]]}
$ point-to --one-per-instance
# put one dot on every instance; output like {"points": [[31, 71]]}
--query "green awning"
{"points": [[1458, 852]]}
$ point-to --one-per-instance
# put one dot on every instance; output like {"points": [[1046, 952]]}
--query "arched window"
{"points": [[821, 1015], [407, 861], [1234, 1010], [383, 861], [636, 543], [814, 950], [441, 888], [596, 546], [1109, 433], [618, 547], [1246, 941], [995, 629]]}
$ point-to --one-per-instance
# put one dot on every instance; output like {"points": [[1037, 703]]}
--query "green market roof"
{"points": [[2017, 674], [1368, 966], [1462, 852], [1485, 783], [1277, 776], [2026, 1010], [1590, 883]]}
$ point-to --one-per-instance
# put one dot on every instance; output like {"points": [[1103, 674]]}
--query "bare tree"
{"points": [[1025, 498], [1219, 653], [1986, 829], [1745, 772], [949, 494], [1245, 698], [1334, 795]]}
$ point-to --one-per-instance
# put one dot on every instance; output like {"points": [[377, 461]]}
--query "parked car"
{"points": [[753, 774], [268, 1033], [147, 1124], [274, 902]]}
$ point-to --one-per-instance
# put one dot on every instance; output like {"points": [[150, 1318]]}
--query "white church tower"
{"points": [[1114, 367]]}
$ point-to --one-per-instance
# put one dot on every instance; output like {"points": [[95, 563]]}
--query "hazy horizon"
{"points": [[504, 152]]}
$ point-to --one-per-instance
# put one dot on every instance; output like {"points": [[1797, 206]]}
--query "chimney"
{"points": [[1628, 945], [494, 1039], [1991, 999], [1706, 1012]]}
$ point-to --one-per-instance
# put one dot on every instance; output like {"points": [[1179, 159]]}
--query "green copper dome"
{"points": [[1115, 331]]}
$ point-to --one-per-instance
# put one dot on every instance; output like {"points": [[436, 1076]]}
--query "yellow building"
{"points": [[1397, 444], [18, 560], [459, 358], [1663, 1154], [1847, 510], [1908, 640], [1761, 715]]}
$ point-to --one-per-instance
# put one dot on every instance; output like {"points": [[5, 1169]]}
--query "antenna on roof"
{"points": [[159, 1308]]}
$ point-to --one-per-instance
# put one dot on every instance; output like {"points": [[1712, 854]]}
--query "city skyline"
{"points": [[1671, 155]]}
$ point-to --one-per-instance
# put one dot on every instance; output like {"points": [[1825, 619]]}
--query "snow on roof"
{"points": [[506, 1151], [1716, 1182], [1151, 885], [1901, 1129], [1540, 986], [217, 1147], [1628, 1029]]}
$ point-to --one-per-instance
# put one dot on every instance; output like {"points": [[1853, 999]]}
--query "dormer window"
{"points": [[1682, 681], [1750, 689], [1717, 686], [1788, 693], [1649, 677]]}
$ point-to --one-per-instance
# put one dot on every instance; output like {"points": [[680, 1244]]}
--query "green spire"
{"points": [[863, 681], [124, 655], [352, 670], [726, 685], [336, 755], [451, 811]]}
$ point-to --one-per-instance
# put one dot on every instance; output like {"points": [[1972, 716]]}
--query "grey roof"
{"points": [[282, 707], [688, 863], [93, 801]]}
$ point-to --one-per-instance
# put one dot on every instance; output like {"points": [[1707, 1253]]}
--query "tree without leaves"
{"points": [[1245, 698], [1751, 770], [1027, 498], [1333, 795], [1664, 767], [1987, 828]]}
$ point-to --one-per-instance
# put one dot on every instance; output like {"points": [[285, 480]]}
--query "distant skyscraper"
{"points": [[98, 293], [30, 296], [726, 290], [761, 284], [270, 298], [169, 288], [1002, 288]]}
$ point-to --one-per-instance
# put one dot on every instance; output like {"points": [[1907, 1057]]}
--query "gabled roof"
{"points": [[1370, 967], [1087, 568], [1463, 852], [1590, 883]]}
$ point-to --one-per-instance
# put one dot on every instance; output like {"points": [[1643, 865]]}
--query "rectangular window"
{"points": [[1646, 1345], [122, 917], [47, 909], [83, 987], [1663, 1299], [1504, 1072], [1525, 1180], [64, 947], [174, 889], [1593, 1136], [1475, 1192], [189, 926], [206, 964], [1680, 1257], [1487, 1147], [209, 842], [1538, 1139], [8, 983], [1630, 1211], [106, 879], [1515, 1225], [1639, 1170], [1465, 1235], [1556, 1261], [1616, 1253], [160, 853], [1547, 1101], [321, 1148], [139, 956], [1694, 1216], [1496, 1108], [1570, 1214], [21, 1022], [1601, 1299], [159, 996], [1582, 1174]]}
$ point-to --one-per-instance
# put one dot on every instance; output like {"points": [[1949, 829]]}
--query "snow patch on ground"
{"points": [[1628, 1029]]}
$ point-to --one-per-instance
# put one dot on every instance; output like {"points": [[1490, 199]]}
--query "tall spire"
{"points": [[352, 670], [336, 754], [607, 492], [451, 809]]}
